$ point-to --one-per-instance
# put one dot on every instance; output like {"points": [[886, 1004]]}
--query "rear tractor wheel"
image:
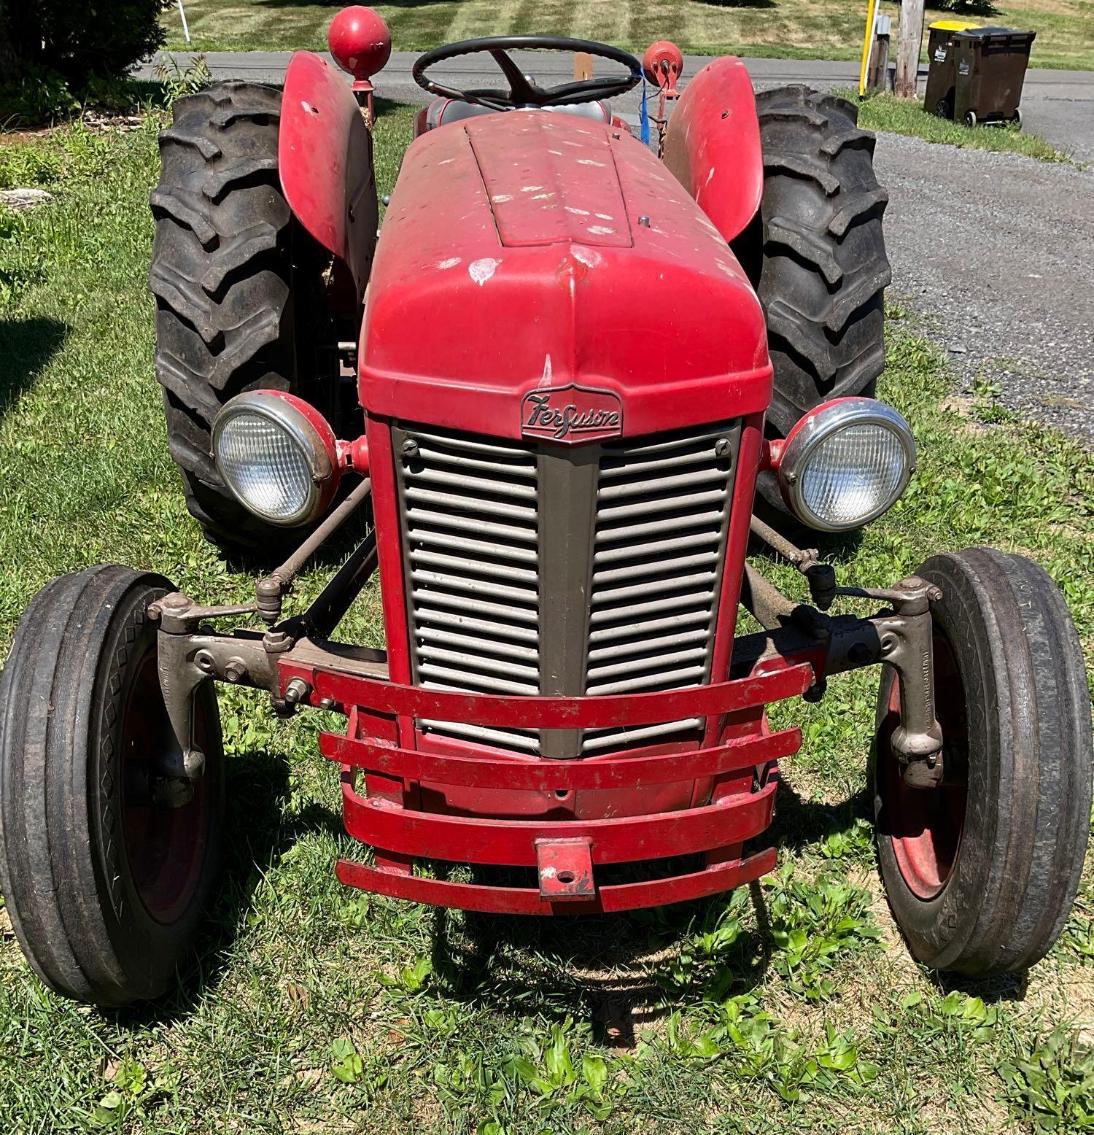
{"points": [[981, 869], [821, 271], [241, 293], [106, 861]]}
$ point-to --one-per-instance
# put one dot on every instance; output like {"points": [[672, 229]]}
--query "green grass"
{"points": [[790, 1007], [903, 116], [806, 29]]}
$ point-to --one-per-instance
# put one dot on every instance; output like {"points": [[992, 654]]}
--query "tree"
{"points": [[77, 40]]}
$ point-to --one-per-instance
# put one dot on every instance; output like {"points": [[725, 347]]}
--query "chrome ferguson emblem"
{"points": [[571, 414]]}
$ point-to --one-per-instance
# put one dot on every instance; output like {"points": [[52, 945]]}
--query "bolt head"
{"points": [[296, 691], [723, 447], [410, 448]]}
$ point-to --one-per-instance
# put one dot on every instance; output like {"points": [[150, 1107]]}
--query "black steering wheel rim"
{"points": [[522, 91]]}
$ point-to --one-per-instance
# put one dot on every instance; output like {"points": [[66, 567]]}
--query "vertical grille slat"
{"points": [[492, 607]]}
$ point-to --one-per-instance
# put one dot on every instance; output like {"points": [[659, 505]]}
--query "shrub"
{"points": [[77, 40]]}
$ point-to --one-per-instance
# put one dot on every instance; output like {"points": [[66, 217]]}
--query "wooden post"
{"points": [[908, 45], [583, 65], [879, 59]]}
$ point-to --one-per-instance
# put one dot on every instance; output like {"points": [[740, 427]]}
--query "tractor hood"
{"points": [[526, 253]]}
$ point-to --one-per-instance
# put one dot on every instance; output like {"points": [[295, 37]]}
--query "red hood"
{"points": [[524, 251]]}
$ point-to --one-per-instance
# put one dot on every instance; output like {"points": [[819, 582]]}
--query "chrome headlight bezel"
{"points": [[820, 425], [309, 435]]}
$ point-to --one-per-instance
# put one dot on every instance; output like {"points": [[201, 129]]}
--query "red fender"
{"points": [[325, 159], [712, 145]]}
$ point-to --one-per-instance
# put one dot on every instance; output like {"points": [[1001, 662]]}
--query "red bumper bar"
{"points": [[534, 712], [528, 900], [402, 831]]}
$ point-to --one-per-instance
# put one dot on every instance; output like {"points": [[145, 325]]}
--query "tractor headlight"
{"points": [[845, 463], [277, 455]]}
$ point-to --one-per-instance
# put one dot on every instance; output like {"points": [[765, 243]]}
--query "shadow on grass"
{"points": [[740, 3], [26, 347], [257, 835], [334, 5], [616, 970]]}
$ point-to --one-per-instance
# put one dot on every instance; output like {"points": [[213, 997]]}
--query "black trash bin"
{"points": [[942, 71], [991, 68]]}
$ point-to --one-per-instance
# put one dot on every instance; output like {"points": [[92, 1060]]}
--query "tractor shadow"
{"points": [[26, 348], [617, 971], [257, 834]]}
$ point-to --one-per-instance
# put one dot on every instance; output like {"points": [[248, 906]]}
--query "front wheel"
{"points": [[970, 118], [104, 870], [981, 870]]}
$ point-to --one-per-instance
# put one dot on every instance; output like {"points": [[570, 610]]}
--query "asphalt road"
{"points": [[995, 252]]}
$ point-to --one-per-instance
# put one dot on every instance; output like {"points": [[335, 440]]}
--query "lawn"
{"points": [[881, 112], [791, 1007], [808, 29]]}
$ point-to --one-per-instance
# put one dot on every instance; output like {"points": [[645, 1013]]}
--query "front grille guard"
{"points": [[296, 662], [568, 856]]}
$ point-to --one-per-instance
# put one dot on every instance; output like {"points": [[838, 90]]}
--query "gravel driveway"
{"points": [[996, 251]]}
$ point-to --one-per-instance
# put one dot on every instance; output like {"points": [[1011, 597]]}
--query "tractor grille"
{"points": [[470, 516], [536, 569], [661, 514]]}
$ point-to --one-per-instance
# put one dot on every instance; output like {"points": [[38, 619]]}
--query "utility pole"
{"points": [[907, 52]]}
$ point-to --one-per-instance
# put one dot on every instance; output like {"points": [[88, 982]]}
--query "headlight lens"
{"points": [[277, 455], [846, 463]]}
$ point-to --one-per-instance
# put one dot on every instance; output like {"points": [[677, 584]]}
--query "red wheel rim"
{"points": [[924, 825], [165, 847]]}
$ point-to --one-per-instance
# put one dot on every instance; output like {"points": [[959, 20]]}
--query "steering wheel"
{"points": [[523, 90]]}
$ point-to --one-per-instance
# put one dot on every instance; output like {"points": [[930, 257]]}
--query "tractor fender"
{"points": [[325, 162], [712, 145]]}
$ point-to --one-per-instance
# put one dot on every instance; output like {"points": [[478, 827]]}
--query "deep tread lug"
{"points": [[803, 240], [858, 206]]}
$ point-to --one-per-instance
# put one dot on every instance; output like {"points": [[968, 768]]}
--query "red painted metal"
{"points": [[538, 712], [354, 455], [565, 868], [713, 145], [556, 231], [360, 42], [663, 64], [488, 768], [527, 900], [503, 842], [733, 564], [324, 159]]}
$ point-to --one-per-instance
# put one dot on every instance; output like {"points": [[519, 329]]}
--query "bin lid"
{"points": [[1014, 33], [951, 25]]}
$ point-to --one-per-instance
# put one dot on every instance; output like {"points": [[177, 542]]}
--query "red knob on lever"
{"points": [[360, 42]]}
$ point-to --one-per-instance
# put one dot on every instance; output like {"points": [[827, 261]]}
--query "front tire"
{"points": [[105, 886], [981, 871]]}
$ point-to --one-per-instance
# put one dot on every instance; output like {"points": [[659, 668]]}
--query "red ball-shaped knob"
{"points": [[359, 41]]}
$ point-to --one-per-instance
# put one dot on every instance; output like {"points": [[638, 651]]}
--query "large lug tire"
{"points": [[981, 871], [817, 256], [105, 886], [238, 286], [824, 268]]}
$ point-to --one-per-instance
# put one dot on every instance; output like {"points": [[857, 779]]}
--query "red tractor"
{"points": [[553, 387]]}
